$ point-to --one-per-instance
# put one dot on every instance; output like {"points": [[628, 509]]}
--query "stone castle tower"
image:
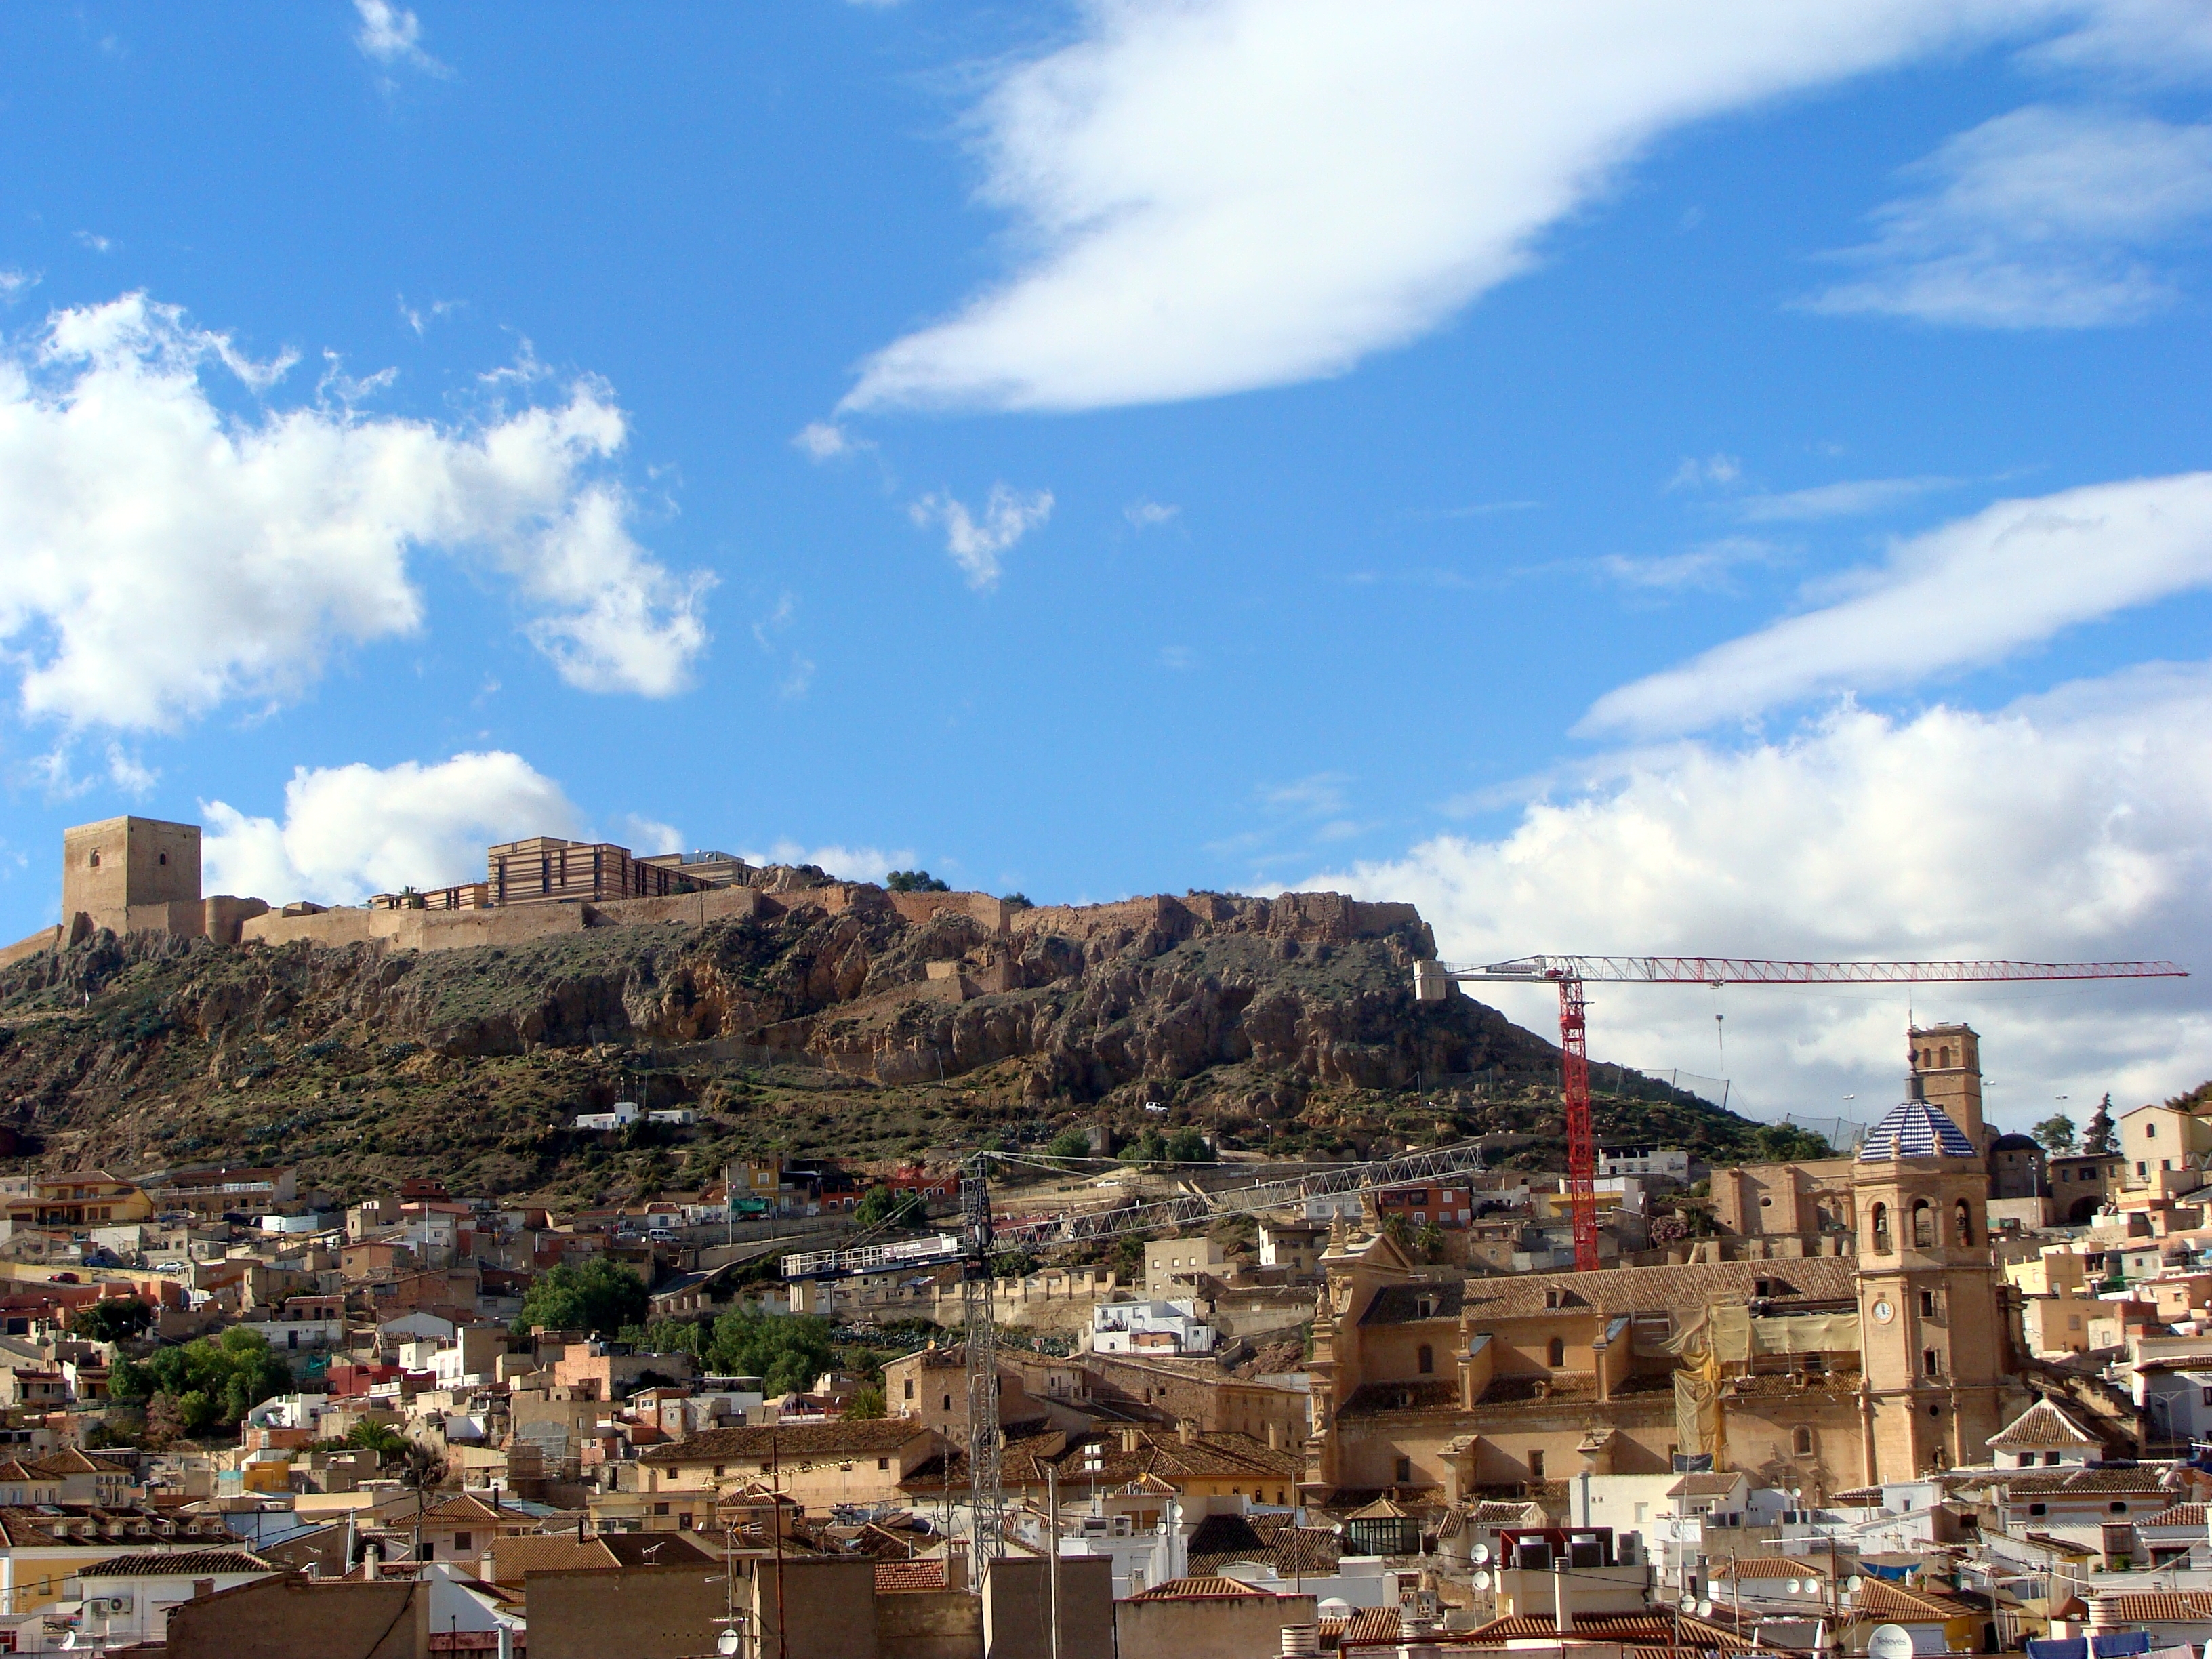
{"points": [[115, 866], [1936, 1355]]}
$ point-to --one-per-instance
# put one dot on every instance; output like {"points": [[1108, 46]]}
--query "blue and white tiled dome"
{"points": [[1915, 1129]]}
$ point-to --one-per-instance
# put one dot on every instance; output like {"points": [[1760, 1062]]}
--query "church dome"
{"points": [[1916, 1128]]}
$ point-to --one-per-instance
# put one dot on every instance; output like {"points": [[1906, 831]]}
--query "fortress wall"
{"points": [[225, 914], [718, 904], [328, 927], [459, 930], [919, 908], [182, 918], [45, 939]]}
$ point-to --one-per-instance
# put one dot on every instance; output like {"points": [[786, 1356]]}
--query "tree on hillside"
{"points": [[1069, 1143], [1188, 1146], [601, 1296], [785, 1351], [112, 1319], [2097, 1137], [2055, 1134], [887, 1206], [1785, 1143], [915, 881], [386, 1442], [1149, 1147], [215, 1380]]}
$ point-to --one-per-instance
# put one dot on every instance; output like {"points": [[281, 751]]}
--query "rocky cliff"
{"points": [[839, 1020]]}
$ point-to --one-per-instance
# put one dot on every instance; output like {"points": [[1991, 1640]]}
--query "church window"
{"points": [[2150, 1132], [1404, 1471], [1924, 1224], [1536, 1465], [1966, 1223], [1882, 1229], [165, 858], [1931, 1362], [1555, 1353], [1425, 1360], [1928, 1304], [1801, 1440], [1947, 1054]]}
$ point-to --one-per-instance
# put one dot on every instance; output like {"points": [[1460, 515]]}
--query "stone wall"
{"points": [[1207, 1627], [944, 1624], [284, 1617], [625, 1612]]}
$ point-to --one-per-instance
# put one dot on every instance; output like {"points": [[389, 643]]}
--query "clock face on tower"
{"points": [[1882, 1310]]}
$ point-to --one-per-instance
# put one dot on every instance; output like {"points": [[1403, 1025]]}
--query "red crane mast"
{"points": [[1570, 974]]}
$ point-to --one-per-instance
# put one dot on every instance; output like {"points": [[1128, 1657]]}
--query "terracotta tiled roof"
{"points": [[188, 1563], [1687, 1288], [1883, 1599], [1770, 1567], [1197, 1589], [511, 1558], [1654, 1630], [2045, 1483], [2179, 1515], [1370, 1626], [465, 1510], [872, 1437], [2041, 1425], [892, 1576], [1719, 1484], [1857, 1498], [2154, 1606], [1400, 1304]]}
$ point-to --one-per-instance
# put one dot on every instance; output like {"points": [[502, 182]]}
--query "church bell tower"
{"points": [[1936, 1353]]}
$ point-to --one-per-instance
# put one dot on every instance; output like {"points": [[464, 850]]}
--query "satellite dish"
{"points": [[1481, 1556], [1705, 1607], [1850, 1586], [1482, 1580], [728, 1642], [1796, 1589], [1890, 1642]]}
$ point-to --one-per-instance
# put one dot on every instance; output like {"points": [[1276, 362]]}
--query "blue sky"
{"points": [[1663, 477]]}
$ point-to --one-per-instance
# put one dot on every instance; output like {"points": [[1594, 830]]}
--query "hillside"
{"points": [[820, 1029]]}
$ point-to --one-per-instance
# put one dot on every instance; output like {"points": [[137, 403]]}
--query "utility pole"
{"points": [[775, 1521], [1052, 1543]]}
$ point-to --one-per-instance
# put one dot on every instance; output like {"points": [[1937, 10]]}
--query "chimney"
{"points": [[1274, 1437], [1186, 1431], [1563, 1608], [1301, 1641], [1132, 1441]]}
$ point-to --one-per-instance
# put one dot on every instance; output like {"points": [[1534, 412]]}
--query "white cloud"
{"points": [[1218, 195], [975, 543], [96, 243], [847, 863], [1965, 595], [15, 284], [392, 35], [1708, 566], [2070, 826], [644, 835], [130, 773], [825, 441], [2036, 219], [1714, 469], [1149, 515], [1853, 498], [160, 555], [796, 669], [349, 831]]}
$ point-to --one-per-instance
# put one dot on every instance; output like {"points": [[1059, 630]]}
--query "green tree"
{"points": [[1430, 1241], [1188, 1146], [215, 1380], [1149, 1147], [600, 1296], [1069, 1143], [866, 1404], [2097, 1136], [2055, 1134], [112, 1319], [386, 1442], [915, 881], [882, 1205], [1785, 1143], [785, 1350]]}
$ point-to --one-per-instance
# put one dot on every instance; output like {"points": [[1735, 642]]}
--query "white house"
{"points": [[1667, 1163], [1336, 1206], [127, 1598], [624, 1113], [1157, 1328]]}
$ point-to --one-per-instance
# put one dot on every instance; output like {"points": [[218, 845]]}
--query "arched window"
{"points": [[1801, 1440], [1947, 1056], [1555, 1353], [93, 861], [1924, 1224], [1425, 1360], [1882, 1230], [1965, 1222]]}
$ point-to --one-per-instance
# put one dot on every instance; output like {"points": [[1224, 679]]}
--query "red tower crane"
{"points": [[1570, 974]]}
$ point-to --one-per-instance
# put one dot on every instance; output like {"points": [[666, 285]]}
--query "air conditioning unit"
{"points": [[109, 1605]]}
